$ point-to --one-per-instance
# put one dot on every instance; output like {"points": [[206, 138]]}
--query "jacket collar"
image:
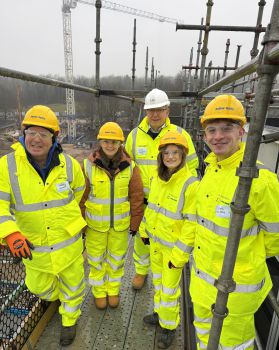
{"points": [[144, 125], [230, 162]]}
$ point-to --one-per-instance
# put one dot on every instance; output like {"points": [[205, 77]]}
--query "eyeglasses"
{"points": [[156, 110], [224, 129], [42, 134], [171, 153], [109, 142]]}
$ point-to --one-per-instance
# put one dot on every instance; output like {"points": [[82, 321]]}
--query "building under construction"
{"points": [[27, 322]]}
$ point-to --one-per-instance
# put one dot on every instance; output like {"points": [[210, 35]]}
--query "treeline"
{"points": [[15, 94]]}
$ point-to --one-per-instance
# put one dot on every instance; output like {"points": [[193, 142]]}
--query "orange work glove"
{"points": [[19, 245]]}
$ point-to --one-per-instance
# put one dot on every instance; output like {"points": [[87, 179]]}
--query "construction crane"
{"points": [[131, 11], [67, 6], [68, 57]]}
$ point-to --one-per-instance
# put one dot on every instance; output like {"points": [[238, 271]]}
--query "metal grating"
{"points": [[20, 310], [112, 329]]}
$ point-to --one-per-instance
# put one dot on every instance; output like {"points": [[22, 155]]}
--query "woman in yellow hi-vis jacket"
{"points": [[42, 186], [114, 205], [168, 219]]}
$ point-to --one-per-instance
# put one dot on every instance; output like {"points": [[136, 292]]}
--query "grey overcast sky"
{"points": [[31, 35]]}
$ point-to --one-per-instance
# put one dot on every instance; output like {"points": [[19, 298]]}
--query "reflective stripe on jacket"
{"points": [[47, 214], [108, 201], [259, 236], [144, 150], [169, 218]]}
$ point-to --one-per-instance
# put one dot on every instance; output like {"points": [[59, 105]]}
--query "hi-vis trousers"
{"points": [[106, 253], [141, 256], [238, 331], [67, 286], [166, 285]]}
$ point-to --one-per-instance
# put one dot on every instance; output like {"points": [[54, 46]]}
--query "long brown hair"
{"points": [[163, 171]]}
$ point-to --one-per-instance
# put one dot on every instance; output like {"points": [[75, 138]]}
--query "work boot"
{"points": [[68, 335], [166, 338], [113, 300], [138, 281], [101, 303], [152, 319]]}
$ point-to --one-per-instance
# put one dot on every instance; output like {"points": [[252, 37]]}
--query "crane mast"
{"points": [[68, 57], [68, 53]]}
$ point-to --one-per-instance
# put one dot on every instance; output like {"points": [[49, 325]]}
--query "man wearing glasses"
{"points": [[223, 121], [142, 145], [42, 187]]}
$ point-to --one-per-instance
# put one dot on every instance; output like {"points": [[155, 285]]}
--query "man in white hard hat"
{"points": [[142, 145]]}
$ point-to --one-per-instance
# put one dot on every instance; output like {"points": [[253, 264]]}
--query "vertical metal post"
{"points": [[152, 73], [134, 55], [254, 52], [204, 51], [236, 63], [226, 56], [246, 172], [98, 40], [208, 73], [186, 87], [198, 58], [146, 70], [133, 74]]}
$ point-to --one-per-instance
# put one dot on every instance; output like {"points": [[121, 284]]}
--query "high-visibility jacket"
{"points": [[144, 150], [108, 200], [47, 214], [259, 236], [169, 217]]}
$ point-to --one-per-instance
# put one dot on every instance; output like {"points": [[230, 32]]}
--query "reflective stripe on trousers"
{"points": [[68, 287], [141, 256], [238, 331], [106, 253], [166, 286]]}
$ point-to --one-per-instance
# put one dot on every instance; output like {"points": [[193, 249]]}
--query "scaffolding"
{"points": [[197, 90]]}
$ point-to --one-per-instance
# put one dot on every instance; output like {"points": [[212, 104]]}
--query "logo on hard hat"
{"points": [[227, 108], [38, 116]]}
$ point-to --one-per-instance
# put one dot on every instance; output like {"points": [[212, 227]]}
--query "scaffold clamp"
{"points": [[225, 286], [247, 172], [216, 314]]}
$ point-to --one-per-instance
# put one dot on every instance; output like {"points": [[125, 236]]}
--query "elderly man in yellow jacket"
{"points": [[223, 122], [142, 145], [42, 186]]}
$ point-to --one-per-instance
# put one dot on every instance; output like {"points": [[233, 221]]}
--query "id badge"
{"points": [[63, 186], [223, 211], [142, 151]]}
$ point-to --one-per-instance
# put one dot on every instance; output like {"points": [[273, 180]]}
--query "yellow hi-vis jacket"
{"points": [[47, 214], [169, 217], [259, 236], [108, 201], [144, 150]]}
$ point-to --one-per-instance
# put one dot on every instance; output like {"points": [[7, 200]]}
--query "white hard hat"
{"points": [[155, 99]]}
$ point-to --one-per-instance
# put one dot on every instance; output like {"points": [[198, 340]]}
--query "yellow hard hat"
{"points": [[174, 137], [224, 107], [110, 131], [41, 116]]}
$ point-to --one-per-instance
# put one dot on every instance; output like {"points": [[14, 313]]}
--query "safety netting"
{"points": [[20, 310]]}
